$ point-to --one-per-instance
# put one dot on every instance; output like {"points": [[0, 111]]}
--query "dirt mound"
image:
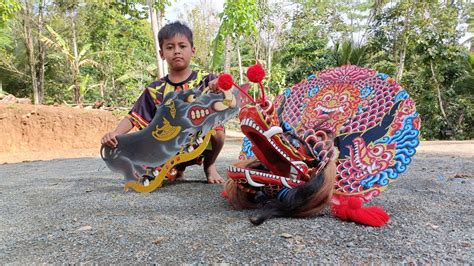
{"points": [[32, 132]]}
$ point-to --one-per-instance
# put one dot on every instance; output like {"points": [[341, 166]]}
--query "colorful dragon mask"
{"points": [[179, 132], [346, 131]]}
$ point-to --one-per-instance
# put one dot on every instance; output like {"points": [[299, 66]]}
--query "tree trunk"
{"points": [[77, 89], [227, 54], [113, 83], [30, 50], [401, 63], [241, 75], [440, 99], [161, 16], [101, 89], [403, 51], [269, 54], [75, 65], [155, 28], [42, 53], [257, 47], [269, 61]]}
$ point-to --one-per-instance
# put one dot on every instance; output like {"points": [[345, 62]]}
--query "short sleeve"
{"points": [[144, 108]]}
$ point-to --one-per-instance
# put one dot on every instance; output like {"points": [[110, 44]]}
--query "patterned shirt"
{"points": [[144, 108]]}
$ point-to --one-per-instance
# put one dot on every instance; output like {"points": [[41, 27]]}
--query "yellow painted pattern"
{"points": [[172, 162], [166, 132]]}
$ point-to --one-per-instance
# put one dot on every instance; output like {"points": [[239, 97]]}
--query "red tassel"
{"points": [[350, 209]]}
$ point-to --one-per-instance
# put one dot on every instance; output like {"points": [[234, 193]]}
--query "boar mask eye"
{"points": [[191, 98]]}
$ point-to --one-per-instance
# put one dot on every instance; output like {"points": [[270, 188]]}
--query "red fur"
{"points": [[255, 73], [351, 209], [225, 82]]}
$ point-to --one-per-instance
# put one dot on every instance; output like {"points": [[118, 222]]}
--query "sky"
{"points": [[178, 7]]}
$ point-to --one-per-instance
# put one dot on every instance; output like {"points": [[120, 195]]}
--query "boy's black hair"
{"points": [[172, 29]]}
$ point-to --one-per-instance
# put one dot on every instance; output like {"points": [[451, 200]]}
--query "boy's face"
{"points": [[177, 52]]}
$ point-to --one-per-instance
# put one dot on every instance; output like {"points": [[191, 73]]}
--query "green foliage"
{"points": [[203, 21], [304, 50], [7, 9], [238, 19], [438, 74]]}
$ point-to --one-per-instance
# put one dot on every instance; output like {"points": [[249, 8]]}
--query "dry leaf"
{"points": [[159, 240], [85, 228], [433, 226]]}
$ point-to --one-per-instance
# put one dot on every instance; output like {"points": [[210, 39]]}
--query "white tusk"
{"points": [[283, 181], [250, 181], [273, 131]]}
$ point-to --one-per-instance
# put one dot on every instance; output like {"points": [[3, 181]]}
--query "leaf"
{"points": [[57, 42], [84, 51], [88, 62], [134, 74], [217, 49], [84, 228]]}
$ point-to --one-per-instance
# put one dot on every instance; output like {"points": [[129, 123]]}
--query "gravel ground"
{"points": [[75, 211]]}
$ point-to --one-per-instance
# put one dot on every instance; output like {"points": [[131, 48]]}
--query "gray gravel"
{"points": [[75, 211]]}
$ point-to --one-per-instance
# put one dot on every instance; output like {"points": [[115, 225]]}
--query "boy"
{"points": [[176, 47]]}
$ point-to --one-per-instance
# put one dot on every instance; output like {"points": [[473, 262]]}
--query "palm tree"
{"points": [[74, 59], [349, 52]]}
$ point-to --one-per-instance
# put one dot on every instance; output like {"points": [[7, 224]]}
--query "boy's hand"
{"points": [[213, 85], [109, 139]]}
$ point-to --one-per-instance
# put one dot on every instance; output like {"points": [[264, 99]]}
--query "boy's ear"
{"points": [[162, 55], [193, 50]]}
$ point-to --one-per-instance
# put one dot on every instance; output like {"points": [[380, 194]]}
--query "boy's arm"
{"points": [[124, 126]]}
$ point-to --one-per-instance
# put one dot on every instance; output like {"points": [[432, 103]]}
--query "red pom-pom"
{"points": [[256, 73], [225, 82]]}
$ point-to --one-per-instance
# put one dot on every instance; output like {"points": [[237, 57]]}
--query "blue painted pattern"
{"points": [[406, 140]]}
